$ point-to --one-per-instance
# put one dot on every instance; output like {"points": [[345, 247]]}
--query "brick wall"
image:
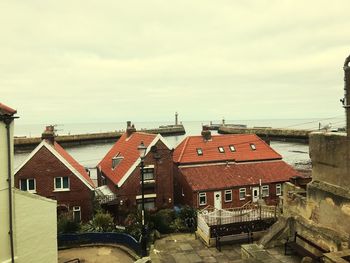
{"points": [[163, 187], [44, 167], [272, 199]]}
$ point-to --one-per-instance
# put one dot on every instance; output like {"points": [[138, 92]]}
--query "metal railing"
{"points": [[72, 240]]}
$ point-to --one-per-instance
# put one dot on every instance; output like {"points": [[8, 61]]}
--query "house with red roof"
{"points": [[227, 171], [51, 172], [119, 172]]}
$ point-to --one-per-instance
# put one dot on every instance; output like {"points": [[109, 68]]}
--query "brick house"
{"points": [[227, 171], [51, 172], [119, 172]]}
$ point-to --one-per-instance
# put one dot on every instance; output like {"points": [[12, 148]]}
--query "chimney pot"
{"points": [[130, 129], [206, 134], [49, 134]]}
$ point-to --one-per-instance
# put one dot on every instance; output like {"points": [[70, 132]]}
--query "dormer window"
{"points": [[232, 148], [199, 151], [221, 149], [116, 160], [252, 146]]}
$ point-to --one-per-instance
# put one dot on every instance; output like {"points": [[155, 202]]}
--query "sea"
{"points": [[294, 153]]}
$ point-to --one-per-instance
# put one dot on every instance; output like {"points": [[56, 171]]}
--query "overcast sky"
{"points": [[101, 61]]}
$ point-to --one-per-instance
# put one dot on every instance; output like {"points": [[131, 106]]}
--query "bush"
{"points": [[101, 222], [67, 225], [162, 220]]}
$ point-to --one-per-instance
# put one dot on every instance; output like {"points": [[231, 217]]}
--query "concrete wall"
{"points": [[36, 231], [322, 213], [329, 153], [5, 253]]}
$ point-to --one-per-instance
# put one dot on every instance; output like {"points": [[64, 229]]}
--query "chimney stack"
{"points": [[130, 129], [346, 99], [49, 134], [206, 133]]}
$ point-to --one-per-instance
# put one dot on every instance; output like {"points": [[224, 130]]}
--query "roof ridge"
{"points": [[183, 149]]}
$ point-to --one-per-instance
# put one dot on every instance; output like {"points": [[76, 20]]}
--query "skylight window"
{"points": [[199, 151], [116, 160], [252, 146], [221, 149], [232, 148]]}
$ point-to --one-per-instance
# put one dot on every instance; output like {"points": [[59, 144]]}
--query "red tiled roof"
{"points": [[186, 151], [127, 148], [81, 170], [224, 176], [6, 110]]}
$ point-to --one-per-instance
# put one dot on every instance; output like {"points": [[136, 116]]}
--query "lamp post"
{"points": [[142, 151]]}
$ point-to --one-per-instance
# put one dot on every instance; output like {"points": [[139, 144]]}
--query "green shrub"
{"points": [[67, 225], [101, 222], [162, 220]]}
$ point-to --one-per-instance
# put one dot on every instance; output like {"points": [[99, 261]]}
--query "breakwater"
{"points": [[28, 143], [271, 133]]}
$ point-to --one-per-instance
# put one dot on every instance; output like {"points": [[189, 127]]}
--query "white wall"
{"points": [[36, 228], [5, 251]]}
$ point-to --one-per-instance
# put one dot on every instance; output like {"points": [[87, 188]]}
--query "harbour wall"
{"points": [[270, 133], [25, 143]]}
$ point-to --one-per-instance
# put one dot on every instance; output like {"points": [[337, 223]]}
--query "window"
{"points": [[228, 195], [149, 204], [221, 149], [252, 146], [278, 189], [265, 190], [199, 151], [148, 173], [242, 193], [103, 180], [61, 183], [76, 213], [27, 185], [116, 160], [202, 198], [232, 148]]}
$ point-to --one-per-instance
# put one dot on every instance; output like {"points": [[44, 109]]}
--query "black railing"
{"points": [[71, 240]]}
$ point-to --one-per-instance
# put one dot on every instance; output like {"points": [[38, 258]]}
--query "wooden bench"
{"points": [[292, 245]]}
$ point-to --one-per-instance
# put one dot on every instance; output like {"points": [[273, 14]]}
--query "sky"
{"points": [[105, 61]]}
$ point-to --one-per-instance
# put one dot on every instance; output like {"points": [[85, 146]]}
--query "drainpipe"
{"points": [[8, 120], [346, 100]]}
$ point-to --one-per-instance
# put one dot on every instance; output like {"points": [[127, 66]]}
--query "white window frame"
{"points": [[265, 188], [252, 146], [61, 189], [199, 151], [228, 192], [200, 195], [232, 148], [278, 189], [27, 185], [242, 190], [76, 209]]}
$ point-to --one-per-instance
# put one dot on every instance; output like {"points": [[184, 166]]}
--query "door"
{"points": [[217, 200], [255, 194]]}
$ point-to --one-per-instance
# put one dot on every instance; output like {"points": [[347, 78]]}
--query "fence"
{"points": [[71, 240], [246, 213], [248, 218]]}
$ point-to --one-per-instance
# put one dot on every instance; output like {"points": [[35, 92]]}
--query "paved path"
{"points": [[95, 254], [185, 248]]}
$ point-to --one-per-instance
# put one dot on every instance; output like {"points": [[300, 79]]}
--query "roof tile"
{"points": [[125, 147], [186, 151], [223, 176]]}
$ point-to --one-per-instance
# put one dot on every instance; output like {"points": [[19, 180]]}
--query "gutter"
{"points": [[8, 120]]}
